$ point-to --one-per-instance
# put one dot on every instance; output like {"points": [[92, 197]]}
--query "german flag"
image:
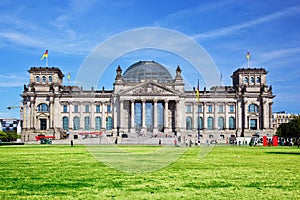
{"points": [[45, 55], [198, 92]]}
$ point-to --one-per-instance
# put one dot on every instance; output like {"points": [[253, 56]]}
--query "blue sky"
{"points": [[225, 29]]}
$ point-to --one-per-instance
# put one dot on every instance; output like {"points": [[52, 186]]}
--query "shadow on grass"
{"points": [[284, 153]]}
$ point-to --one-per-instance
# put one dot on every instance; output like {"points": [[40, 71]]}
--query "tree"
{"points": [[291, 129], [8, 136]]}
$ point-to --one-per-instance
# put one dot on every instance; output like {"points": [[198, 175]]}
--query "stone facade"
{"points": [[280, 118], [141, 104]]}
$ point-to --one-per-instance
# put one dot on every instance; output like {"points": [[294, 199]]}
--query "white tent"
{"points": [[19, 130]]}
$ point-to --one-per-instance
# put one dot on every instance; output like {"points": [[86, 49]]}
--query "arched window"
{"points": [[98, 123], [253, 108], [188, 122], [43, 107], [221, 123], [37, 79], [65, 123], [76, 123], [44, 79], [87, 123], [50, 79], [252, 80], [246, 80], [200, 123], [258, 80], [231, 123], [210, 123], [109, 123]]}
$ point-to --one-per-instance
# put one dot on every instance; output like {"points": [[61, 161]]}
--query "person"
{"points": [[159, 142], [175, 142], [71, 143]]}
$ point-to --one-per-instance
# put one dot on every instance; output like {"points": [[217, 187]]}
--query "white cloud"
{"points": [[13, 80], [234, 28], [184, 13]]}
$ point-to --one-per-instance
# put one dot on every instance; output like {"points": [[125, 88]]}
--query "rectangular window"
{"points": [[65, 108], [253, 124], [231, 108], [98, 108], [200, 108], [221, 107], [210, 108], [87, 108], [108, 108], [188, 108], [76, 109]]}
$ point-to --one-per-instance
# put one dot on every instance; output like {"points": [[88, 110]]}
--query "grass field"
{"points": [[227, 172]]}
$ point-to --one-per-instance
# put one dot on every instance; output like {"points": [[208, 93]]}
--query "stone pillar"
{"points": [[32, 115], [225, 117], [166, 124], [81, 118], [195, 116], [238, 115], [92, 118], [270, 115], [103, 116], [155, 128], [215, 122], [144, 128], [71, 109], [120, 117], [204, 117], [132, 125]]}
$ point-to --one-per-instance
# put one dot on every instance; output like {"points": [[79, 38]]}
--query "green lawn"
{"points": [[64, 172]]}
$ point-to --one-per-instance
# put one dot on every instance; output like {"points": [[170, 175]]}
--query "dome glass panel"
{"points": [[147, 70]]}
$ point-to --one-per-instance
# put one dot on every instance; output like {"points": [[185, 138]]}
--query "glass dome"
{"points": [[147, 70]]}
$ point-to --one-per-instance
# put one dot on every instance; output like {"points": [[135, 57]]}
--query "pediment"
{"points": [[42, 115], [149, 89]]}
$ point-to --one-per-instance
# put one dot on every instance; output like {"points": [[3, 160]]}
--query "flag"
{"points": [[69, 77], [198, 92], [45, 55], [248, 55]]}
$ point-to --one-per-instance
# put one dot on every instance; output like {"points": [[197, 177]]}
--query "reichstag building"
{"points": [[146, 100]]}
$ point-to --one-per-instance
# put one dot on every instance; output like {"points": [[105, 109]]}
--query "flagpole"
{"points": [[47, 61], [198, 121], [248, 58], [247, 63]]}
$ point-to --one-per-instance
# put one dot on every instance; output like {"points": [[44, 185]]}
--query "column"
{"points": [[204, 117], [144, 115], [132, 125], [34, 120], [120, 124], [103, 116], [81, 119], [225, 116], [195, 116], [155, 130], [71, 109], [92, 120], [29, 116], [166, 124], [238, 115], [215, 123], [270, 115]]}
